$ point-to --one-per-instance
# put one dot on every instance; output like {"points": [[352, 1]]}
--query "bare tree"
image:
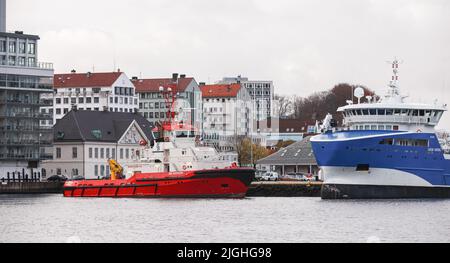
{"points": [[284, 105]]}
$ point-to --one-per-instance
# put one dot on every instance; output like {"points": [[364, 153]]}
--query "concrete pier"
{"points": [[285, 189], [30, 187]]}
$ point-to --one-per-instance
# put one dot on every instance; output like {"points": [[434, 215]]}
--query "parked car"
{"points": [[270, 176], [57, 178]]}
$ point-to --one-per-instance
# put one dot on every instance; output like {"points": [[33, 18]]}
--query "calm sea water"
{"points": [[52, 218]]}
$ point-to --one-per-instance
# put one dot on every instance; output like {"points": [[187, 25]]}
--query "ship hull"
{"points": [[219, 183], [374, 165]]}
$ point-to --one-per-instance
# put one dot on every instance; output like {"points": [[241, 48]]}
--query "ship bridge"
{"points": [[391, 112]]}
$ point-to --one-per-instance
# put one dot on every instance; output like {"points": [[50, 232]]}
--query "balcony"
{"points": [[25, 143], [41, 116], [19, 156], [38, 103], [36, 65], [15, 129]]}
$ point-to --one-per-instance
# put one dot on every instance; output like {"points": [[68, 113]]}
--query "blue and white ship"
{"points": [[387, 149]]}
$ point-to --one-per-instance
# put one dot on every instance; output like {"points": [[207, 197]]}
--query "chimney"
{"points": [[134, 78], [174, 77], [73, 71], [89, 74], [183, 76], [2, 15], [202, 84]]}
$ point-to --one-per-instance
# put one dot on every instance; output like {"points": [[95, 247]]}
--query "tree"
{"points": [[284, 105], [319, 104], [245, 149]]}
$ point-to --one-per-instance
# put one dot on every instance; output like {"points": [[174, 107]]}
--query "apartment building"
{"points": [[226, 114], [261, 93], [107, 91], [154, 108], [24, 82]]}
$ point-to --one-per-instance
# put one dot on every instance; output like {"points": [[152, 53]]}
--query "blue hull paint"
{"points": [[353, 148]]}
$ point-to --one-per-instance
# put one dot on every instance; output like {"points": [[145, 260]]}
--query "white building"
{"points": [[85, 140], [261, 92], [112, 91], [154, 108], [226, 114]]}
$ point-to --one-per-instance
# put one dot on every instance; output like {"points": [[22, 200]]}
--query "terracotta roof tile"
{"points": [[220, 90], [85, 79], [152, 85]]}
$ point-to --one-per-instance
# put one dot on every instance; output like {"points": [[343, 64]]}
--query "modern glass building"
{"points": [[23, 82]]}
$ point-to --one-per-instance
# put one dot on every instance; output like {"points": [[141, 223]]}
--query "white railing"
{"points": [[392, 119]]}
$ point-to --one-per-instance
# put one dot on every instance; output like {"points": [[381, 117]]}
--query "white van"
{"points": [[270, 176]]}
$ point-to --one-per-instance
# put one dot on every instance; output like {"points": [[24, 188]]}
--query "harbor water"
{"points": [[52, 218]]}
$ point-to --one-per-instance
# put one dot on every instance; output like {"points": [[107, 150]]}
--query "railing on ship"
{"points": [[393, 119]]}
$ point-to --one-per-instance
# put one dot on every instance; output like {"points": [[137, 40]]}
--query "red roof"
{"points": [[75, 80], [220, 90], [152, 85]]}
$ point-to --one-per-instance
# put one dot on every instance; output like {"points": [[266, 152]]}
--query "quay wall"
{"points": [[30, 187], [284, 189]]}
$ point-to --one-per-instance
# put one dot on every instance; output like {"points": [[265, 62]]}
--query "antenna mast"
{"points": [[394, 82]]}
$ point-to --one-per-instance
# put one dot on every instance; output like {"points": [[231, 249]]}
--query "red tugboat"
{"points": [[175, 166]]}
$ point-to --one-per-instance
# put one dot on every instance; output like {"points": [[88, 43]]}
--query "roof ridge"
{"points": [[78, 125]]}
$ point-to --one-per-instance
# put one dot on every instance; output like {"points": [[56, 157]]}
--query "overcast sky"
{"points": [[303, 46]]}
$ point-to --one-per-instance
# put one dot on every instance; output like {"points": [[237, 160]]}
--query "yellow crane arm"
{"points": [[115, 169]]}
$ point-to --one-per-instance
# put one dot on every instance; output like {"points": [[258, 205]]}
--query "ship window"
{"points": [[362, 167], [412, 142], [381, 127], [422, 113], [397, 112], [404, 113], [389, 112], [365, 112], [388, 141], [396, 128], [373, 112], [415, 113], [389, 127], [367, 127], [373, 127], [358, 112], [381, 112]]}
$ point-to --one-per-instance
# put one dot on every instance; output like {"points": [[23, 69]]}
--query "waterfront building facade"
{"points": [[109, 91], [85, 140], [24, 84], [226, 115], [261, 93], [154, 108]]}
